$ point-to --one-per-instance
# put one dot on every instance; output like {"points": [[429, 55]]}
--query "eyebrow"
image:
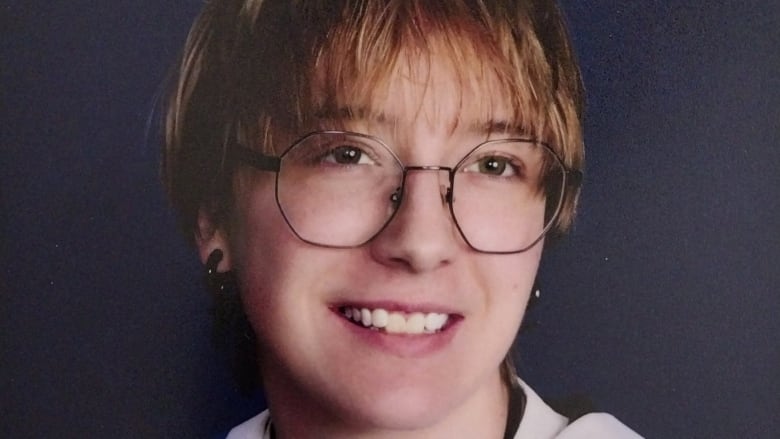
{"points": [[480, 127]]}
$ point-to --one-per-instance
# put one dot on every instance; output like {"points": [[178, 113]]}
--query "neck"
{"points": [[296, 415]]}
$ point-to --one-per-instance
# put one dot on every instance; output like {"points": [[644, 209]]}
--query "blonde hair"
{"points": [[254, 68]]}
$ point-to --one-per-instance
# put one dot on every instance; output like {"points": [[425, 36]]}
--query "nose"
{"points": [[421, 236]]}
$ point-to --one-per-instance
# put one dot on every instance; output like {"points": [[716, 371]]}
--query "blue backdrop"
{"points": [[662, 305]]}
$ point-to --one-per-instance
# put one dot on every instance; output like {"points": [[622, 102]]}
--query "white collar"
{"points": [[539, 421]]}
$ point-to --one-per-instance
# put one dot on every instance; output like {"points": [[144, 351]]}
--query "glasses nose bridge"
{"points": [[445, 190]]}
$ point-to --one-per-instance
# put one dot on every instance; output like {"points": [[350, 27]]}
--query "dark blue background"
{"points": [[662, 305]]}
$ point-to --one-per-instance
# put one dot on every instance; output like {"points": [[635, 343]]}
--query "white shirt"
{"points": [[539, 422]]}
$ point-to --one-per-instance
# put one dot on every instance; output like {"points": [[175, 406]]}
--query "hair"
{"points": [[255, 69]]}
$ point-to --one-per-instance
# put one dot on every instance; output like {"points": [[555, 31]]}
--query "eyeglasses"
{"points": [[341, 189]]}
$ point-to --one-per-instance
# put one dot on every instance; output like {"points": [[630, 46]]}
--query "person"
{"points": [[370, 185]]}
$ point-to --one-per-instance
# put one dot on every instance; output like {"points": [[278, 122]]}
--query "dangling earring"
{"points": [[232, 331], [224, 289], [211, 263], [218, 283]]}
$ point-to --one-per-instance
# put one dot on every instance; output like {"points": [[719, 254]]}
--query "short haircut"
{"points": [[252, 69]]}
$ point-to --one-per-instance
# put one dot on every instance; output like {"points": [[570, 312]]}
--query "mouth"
{"points": [[396, 322]]}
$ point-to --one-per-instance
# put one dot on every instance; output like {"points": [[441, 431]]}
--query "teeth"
{"points": [[396, 322], [415, 323], [365, 317], [434, 321], [379, 318]]}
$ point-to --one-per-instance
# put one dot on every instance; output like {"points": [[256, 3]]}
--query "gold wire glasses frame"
{"points": [[340, 189]]}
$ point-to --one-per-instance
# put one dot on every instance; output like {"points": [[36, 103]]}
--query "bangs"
{"points": [[260, 72], [355, 65]]}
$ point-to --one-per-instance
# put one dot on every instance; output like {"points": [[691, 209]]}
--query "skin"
{"points": [[324, 376]]}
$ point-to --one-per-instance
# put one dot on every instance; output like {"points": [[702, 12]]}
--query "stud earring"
{"points": [[536, 295], [533, 300]]}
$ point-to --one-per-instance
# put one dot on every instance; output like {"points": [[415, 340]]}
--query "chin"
{"points": [[412, 410]]}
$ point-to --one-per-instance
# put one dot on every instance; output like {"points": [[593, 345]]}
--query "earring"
{"points": [[224, 290], [232, 331], [213, 260], [536, 295], [218, 283], [533, 300]]}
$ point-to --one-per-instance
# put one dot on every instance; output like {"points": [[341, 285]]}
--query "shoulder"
{"points": [[601, 425], [541, 421], [253, 428], [538, 421]]}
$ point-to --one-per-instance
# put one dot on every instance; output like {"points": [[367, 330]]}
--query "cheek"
{"points": [[259, 245], [511, 273], [271, 293], [507, 281], [278, 273]]}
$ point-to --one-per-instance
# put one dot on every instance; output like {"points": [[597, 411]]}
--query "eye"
{"points": [[336, 151], [347, 155], [493, 165]]}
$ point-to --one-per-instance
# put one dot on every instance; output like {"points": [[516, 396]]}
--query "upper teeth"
{"points": [[397, 322]]}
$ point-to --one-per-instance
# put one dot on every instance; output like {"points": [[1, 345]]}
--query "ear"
{"points": [[209, 238]]}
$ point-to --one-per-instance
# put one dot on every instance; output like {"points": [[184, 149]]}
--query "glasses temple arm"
{"points": [[256, 159]]}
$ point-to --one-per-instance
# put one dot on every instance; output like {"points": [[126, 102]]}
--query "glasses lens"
{"points": [[335, 189], [506, 194]]}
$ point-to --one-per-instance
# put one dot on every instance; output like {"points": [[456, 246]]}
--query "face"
{"points": [[318, 361]]}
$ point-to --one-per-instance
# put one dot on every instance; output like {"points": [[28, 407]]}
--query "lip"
{"points": [[400, 345]]}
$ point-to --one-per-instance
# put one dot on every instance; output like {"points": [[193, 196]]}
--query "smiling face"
{"points": [[431, 79], [439, 316]]}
